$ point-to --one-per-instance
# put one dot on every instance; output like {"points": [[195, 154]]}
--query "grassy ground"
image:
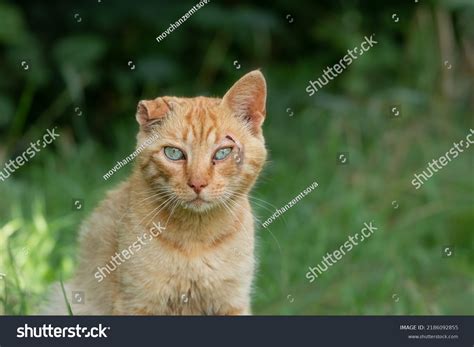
{"points": [[399, 270]]}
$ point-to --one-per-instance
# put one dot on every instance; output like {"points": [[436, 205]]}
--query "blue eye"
{"points": [[174, 153], [222, 153]]}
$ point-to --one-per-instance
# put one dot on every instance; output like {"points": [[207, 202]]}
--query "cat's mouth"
{"points": [[198, 201], [197, 204]]}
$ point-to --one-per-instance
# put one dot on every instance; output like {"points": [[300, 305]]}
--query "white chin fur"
{"points": [[199, 208]]}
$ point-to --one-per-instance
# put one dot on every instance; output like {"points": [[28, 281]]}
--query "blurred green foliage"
{"points": [[83, 66]]}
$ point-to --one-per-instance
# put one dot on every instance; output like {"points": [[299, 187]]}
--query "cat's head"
{"points": [[204, 152]]}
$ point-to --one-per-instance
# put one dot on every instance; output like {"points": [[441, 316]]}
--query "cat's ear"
{"points": [[247, 99], [152, 111]]}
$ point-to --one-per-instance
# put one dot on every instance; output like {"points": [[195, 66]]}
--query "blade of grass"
{"points": [[21, 115], [16, 279], [5, 296], [65, 296]]}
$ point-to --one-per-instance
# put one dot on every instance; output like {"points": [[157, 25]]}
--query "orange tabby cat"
{"points": [[191, 183]]}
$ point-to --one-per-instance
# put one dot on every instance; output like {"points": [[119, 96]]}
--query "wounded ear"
{"points": [[152, 111], [247, 99]]}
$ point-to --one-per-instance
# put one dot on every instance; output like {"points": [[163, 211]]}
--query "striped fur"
{"points": [[203, 262]]}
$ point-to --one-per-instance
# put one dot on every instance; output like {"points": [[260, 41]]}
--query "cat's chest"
{"points": [[207, 268], [191, 280], [179, 284], [174, 261]]}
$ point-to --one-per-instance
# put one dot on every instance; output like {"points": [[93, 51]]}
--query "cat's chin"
{"points": [[197, 205]]}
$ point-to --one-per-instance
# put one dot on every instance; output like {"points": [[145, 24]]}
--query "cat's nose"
{"points": [[197, 185]]}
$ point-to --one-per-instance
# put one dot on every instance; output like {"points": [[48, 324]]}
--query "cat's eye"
{"points": [[222, 153], [174, 153]]}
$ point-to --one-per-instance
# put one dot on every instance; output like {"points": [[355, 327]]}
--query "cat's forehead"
{"points": [[196, 102], [198, 120]]}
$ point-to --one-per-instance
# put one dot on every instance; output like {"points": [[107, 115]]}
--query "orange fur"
{"points": [[203, 262]]}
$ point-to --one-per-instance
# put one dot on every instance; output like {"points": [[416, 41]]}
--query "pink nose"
{"points": [[197, 185]]}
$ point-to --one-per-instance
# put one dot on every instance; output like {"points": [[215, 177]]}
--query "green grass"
{"points": [[75, 65], [38, 227]]}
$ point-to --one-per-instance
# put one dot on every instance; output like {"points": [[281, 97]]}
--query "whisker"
{"points": [[172, 211], [274, 237], [165, 202]]}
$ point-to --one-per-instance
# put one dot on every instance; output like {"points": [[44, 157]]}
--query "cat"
{"points": [[189, 193]]}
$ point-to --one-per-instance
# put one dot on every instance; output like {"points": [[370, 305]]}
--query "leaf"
{"points": [[12, 29]]}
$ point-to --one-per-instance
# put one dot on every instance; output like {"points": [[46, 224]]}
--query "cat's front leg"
{"points": [[132, 312], [126, 308], [235, 311]]}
